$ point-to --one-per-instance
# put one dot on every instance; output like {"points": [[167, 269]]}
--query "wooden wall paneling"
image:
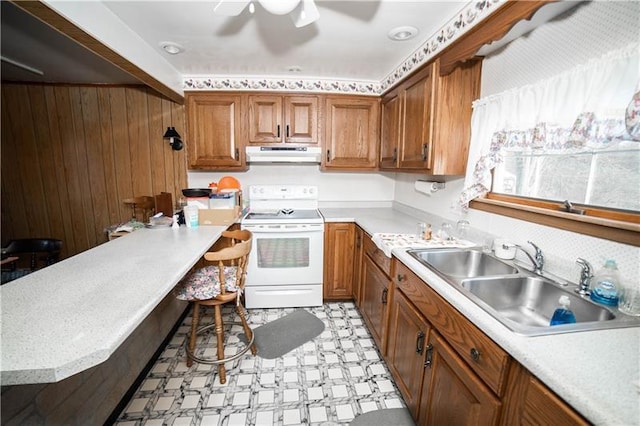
{"points": [[156, 145], [56, 142], [112, 201], [71, 154], [82, 170], [93, 139], [138, 125], [124, 179], [180, 158], [27, 162], [13, 209], [46, 164]]}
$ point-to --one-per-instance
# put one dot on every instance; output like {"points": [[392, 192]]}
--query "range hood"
{"points": [[283, 154]]}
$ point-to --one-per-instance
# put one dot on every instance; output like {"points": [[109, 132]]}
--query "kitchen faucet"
{"points": [[585, 277], [538, 261]]}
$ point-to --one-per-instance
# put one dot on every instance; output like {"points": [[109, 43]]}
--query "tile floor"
{"points": [[327, 381]]}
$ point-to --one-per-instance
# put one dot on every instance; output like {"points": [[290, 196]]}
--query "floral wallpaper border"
{"points": [[470, 15]]}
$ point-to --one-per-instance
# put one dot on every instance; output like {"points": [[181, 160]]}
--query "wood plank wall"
{"points": [[71, 154]]}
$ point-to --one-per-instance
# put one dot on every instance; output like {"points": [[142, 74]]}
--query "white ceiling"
{"points": [[349, 40]]}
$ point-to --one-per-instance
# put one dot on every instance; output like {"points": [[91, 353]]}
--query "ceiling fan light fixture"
{"points": [[402, 33], [279, 7], [306, 14]]}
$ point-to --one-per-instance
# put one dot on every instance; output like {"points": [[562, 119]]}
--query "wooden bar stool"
{"points": [[216, 285], [145, 205]]}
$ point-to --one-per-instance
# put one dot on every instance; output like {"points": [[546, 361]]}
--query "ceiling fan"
{"points": [[303, 12]]}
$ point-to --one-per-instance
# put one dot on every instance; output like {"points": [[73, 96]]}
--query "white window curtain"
{"points": [[582, 108]]}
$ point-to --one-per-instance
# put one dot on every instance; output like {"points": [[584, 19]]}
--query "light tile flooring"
{"points": [[327, 381]]}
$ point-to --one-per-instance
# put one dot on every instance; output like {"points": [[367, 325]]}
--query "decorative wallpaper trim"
{"points": [[471, 15]]}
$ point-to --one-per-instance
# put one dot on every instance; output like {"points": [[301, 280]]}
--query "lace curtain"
{"points": [[581, 109]]}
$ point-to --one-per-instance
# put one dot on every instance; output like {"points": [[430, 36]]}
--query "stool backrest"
{"points": [[235, 255], [145, 205]]}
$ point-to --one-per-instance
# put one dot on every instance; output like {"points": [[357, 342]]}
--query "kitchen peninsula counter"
{"points": [[74, 314], [596, 372]]}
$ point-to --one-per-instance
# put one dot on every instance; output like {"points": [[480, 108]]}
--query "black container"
{"points": [[196, 192]]}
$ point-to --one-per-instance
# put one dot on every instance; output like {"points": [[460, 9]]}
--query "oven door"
{"points": [[285, 254]]}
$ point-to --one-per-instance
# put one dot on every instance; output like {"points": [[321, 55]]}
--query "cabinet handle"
{"points": [[358, 241], [419, 342], [385, 292], [424, 151], [395, 154], [427, 359], [237, 154], [328, 155], [287, 130], [475, 354], [278, 130], [400, 278]]}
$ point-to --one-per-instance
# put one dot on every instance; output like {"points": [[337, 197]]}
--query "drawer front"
{"points": [[481, 353], [377, 255]]}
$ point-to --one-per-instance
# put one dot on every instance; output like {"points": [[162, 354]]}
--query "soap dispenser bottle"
{"points": [[563, 314], [606, 284]]}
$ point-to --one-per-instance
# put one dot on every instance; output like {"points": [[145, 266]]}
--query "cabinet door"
{"points": [[338, 255], [358, 254], [390, 131], [417, 98], [301, 119], [265, 119], [351, 133], [529, 402], [452, 393], [408, 334], [375, 296], [215, 131]]}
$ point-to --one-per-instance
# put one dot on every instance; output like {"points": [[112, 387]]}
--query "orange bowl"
{"points": [[228, 182]]}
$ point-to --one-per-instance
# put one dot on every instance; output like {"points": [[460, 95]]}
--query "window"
{"points": [[573, 137]]}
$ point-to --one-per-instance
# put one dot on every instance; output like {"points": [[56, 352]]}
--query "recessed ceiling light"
{"points": [[171, 47], [402, 33]]}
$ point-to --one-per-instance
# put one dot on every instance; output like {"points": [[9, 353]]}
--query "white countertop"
{"points": [[596, 372], [74, 314]]}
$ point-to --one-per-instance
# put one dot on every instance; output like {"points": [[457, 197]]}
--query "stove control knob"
{"points": [[311, 190]]}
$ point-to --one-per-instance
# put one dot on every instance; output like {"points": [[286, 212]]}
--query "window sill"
{"points": [[614, 230]]}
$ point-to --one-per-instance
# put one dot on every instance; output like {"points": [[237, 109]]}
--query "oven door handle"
{"points": [[279, 229]]}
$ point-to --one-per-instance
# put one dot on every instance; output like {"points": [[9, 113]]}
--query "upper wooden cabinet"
{"points": [[426, 121], [275, 119], [351, 132], [216, 134]]}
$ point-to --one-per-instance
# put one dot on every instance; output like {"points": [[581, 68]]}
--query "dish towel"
{"points": [[388, 242]]}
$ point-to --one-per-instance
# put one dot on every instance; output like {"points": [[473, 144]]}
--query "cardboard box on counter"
{"points": [[218, 217]]}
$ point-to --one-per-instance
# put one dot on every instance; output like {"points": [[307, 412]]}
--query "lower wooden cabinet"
{"points": [[358, 253], [338, 260], [375, 296], [452, 393], [406, 350], [529, 402]]}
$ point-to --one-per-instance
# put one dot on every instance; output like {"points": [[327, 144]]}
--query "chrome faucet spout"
{"points": [[585, 277], [537, 261]]}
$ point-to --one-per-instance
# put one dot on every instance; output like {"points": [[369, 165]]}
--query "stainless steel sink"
{"points": [[521, 300], [460, 264]]}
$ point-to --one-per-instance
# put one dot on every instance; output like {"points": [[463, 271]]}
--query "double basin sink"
{"points": [[521, 300]]}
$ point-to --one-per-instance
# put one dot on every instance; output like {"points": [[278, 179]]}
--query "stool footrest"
{"points": [[211, 361]]}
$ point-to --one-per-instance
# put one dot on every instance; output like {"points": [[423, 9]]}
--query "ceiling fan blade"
{"points": [[230, 7], [306, 14]]}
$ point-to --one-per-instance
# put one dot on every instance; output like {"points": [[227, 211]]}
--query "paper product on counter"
{"points": [[388, 242]]}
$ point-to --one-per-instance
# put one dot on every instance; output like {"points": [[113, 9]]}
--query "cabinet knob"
{"points": [[401, 278], [278, 131], [425, 147], [475, 354], [385, 293], [287, 130], [395, 154], [237, 154], [328, 155]]}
